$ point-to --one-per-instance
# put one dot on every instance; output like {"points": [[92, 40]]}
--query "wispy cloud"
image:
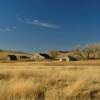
{"points": [[43, 24], [37, 22], [7, 29]]}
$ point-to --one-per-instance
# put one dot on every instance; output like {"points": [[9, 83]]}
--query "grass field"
{"points": [[46, 81]]}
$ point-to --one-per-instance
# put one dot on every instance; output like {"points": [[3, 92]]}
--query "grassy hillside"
{"points": [[4, 53]]}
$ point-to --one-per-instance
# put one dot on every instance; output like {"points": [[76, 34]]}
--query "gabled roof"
{"points": [[71, 57], [45, 55]]}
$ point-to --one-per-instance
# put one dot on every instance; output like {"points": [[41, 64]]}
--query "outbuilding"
{"points": [[69, 58], [12, 57], [24, 58], [41, 56]]}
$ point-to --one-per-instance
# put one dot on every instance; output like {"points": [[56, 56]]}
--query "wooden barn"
{"points": [[24, 58], [41, 56], [69, 58], [12, 57]]}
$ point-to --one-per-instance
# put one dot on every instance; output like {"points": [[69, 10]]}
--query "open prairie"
{"points": [[36, 81]]}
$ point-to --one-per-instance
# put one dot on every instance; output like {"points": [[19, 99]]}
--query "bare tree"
{"points": [[89, 51], [53, 54]]}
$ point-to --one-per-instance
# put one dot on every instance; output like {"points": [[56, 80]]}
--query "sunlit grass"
{"points": [[28, 81]]}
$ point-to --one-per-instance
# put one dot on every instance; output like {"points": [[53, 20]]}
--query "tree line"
{"points": [[87, 52]]}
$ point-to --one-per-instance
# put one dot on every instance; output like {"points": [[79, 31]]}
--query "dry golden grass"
{"points": [[64, 63], [32, 81]]}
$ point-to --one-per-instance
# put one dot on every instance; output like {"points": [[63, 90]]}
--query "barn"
{"points": [[41, 56], [69, 58], [12, 57], [24, 58]]}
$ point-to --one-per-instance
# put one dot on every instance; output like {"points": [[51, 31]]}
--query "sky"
{"points": [[42, 25]]}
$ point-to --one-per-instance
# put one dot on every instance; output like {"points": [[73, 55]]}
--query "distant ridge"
{"points": [[14, 51], [64, 51]]}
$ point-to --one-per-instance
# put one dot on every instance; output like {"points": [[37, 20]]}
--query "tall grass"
{"points": [[26, 81]]}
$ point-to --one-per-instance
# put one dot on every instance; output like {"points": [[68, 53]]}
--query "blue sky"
{"points": [[41, 25]]}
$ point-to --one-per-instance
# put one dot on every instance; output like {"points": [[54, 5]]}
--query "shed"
{"points": [[24, 58], [41, 56], [69, 58], [12, 57]]}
